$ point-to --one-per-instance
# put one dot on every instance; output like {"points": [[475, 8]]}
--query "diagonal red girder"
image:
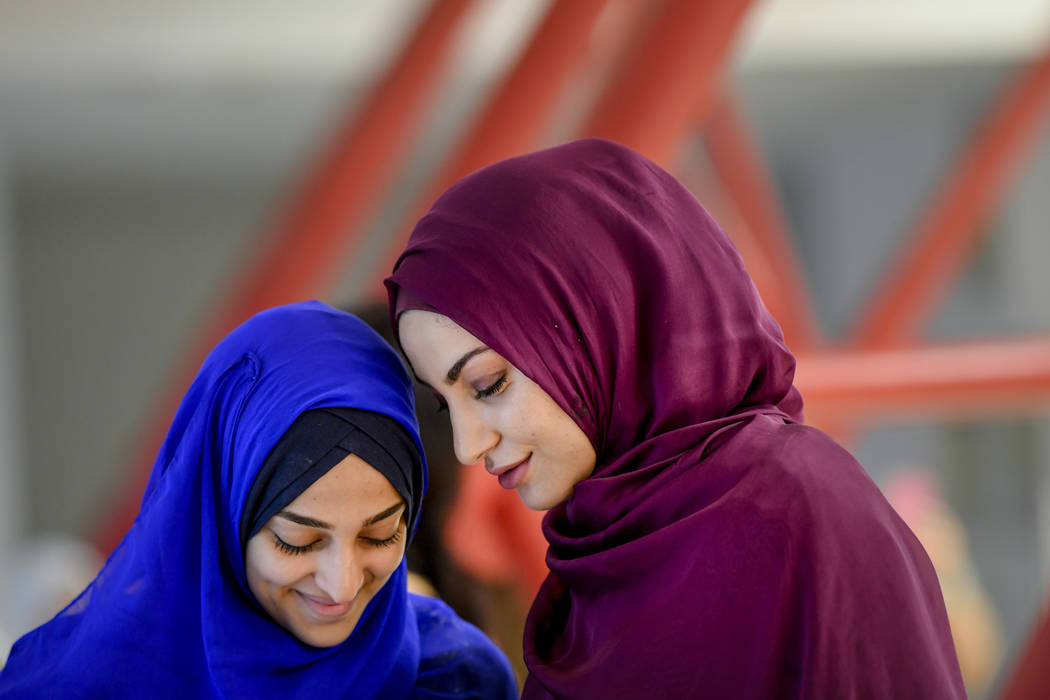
{"points": [[950, 229], [1030, 678], [993, 377], [762, 229], [309, 245], [518, 110], [670, 77]]}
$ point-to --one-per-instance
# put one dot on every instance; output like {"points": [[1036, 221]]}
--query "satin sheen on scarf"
{"points": [[721, 548], [171, 614]]}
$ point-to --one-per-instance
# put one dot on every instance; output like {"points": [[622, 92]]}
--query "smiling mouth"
{"points": [[323, 608], [499, 471], [511, 476]]}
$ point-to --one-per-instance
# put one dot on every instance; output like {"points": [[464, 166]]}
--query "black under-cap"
{"points": [[317, 441]]}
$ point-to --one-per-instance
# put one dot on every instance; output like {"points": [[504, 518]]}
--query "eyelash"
{"points": [[292, 549], [296, 550], [388, 542], [493, 389], [442, 405]]}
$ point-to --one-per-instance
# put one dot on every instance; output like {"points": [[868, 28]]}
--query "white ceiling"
{"points": [[199, 89], [128, 42]]}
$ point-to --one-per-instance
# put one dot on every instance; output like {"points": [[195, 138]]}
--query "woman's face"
{"points": [[315, 565], [498, 415]]}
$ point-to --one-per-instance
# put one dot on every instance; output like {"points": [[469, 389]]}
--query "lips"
{"points": [[323, 608], [511, 475]]}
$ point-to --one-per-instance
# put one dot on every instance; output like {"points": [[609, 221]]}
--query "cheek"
{"points": [[384, 562], [276, 570], [519, 418]]}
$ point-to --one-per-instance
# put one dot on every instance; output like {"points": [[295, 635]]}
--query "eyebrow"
{"points": [[385, 514], [322, 525], [453, 372], [303, 520]]}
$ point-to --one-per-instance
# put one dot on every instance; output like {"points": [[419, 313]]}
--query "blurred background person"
{"points": [[39, 580], [914, 493]]}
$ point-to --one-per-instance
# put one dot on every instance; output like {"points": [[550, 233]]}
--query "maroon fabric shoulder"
{"points": [[720, 549]]}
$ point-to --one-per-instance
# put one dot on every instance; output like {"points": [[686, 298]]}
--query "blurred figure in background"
{"points": [[916, 496], [41, 579]]}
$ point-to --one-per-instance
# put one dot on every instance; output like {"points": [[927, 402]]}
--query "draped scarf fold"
{"points": [[720, 548]]}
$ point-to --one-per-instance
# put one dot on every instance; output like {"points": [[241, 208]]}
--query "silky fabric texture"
{"points": [[720, 548], [171, 615]]}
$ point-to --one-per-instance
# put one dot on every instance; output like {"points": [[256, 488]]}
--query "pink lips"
{"points": [[510, 477], [325, 609]]}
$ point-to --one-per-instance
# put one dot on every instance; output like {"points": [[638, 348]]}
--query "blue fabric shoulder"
{"points": [[456, 659]]}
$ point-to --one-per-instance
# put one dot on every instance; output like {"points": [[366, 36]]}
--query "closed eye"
{"points": [[388, 542], [292, 549], [492, 389]]}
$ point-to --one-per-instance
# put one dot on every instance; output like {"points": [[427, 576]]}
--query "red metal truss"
{"points": [[950, 228], [669, 77], [517, 111], [323, 225], [309, 245], [1030, 679], [963, 379], [762, 232]]}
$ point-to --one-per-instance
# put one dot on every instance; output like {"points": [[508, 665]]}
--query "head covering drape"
{"points": [[170, 614], [720, 548]]}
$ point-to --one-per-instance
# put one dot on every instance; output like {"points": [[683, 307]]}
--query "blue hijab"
{"points": [[171, 614]]}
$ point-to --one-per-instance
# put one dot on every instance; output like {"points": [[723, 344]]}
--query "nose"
{"points": [[339, 574], [472, 436]]}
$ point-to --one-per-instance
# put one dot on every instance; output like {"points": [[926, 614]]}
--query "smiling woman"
{"points": [[267, 560], [315, 563], [601, 348]]}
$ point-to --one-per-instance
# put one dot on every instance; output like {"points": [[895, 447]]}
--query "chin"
{"points": [[324, 638], [540, 501]]}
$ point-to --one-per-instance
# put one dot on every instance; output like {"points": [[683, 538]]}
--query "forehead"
{"points": [[426, 336], [351, 491], [418, 319]]}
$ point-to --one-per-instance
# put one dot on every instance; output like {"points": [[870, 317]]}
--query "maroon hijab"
{"points": [[721, 548]]}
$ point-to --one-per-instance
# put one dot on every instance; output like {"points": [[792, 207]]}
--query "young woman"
{"points": [[601, 348], [268, 557]]}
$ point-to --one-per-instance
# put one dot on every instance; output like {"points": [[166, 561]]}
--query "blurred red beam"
{"points": [[966, 379], [324, 224], [517, 111], [670, 77], [311, 243], [947, 235], [1030, 678], [745, 180]]}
